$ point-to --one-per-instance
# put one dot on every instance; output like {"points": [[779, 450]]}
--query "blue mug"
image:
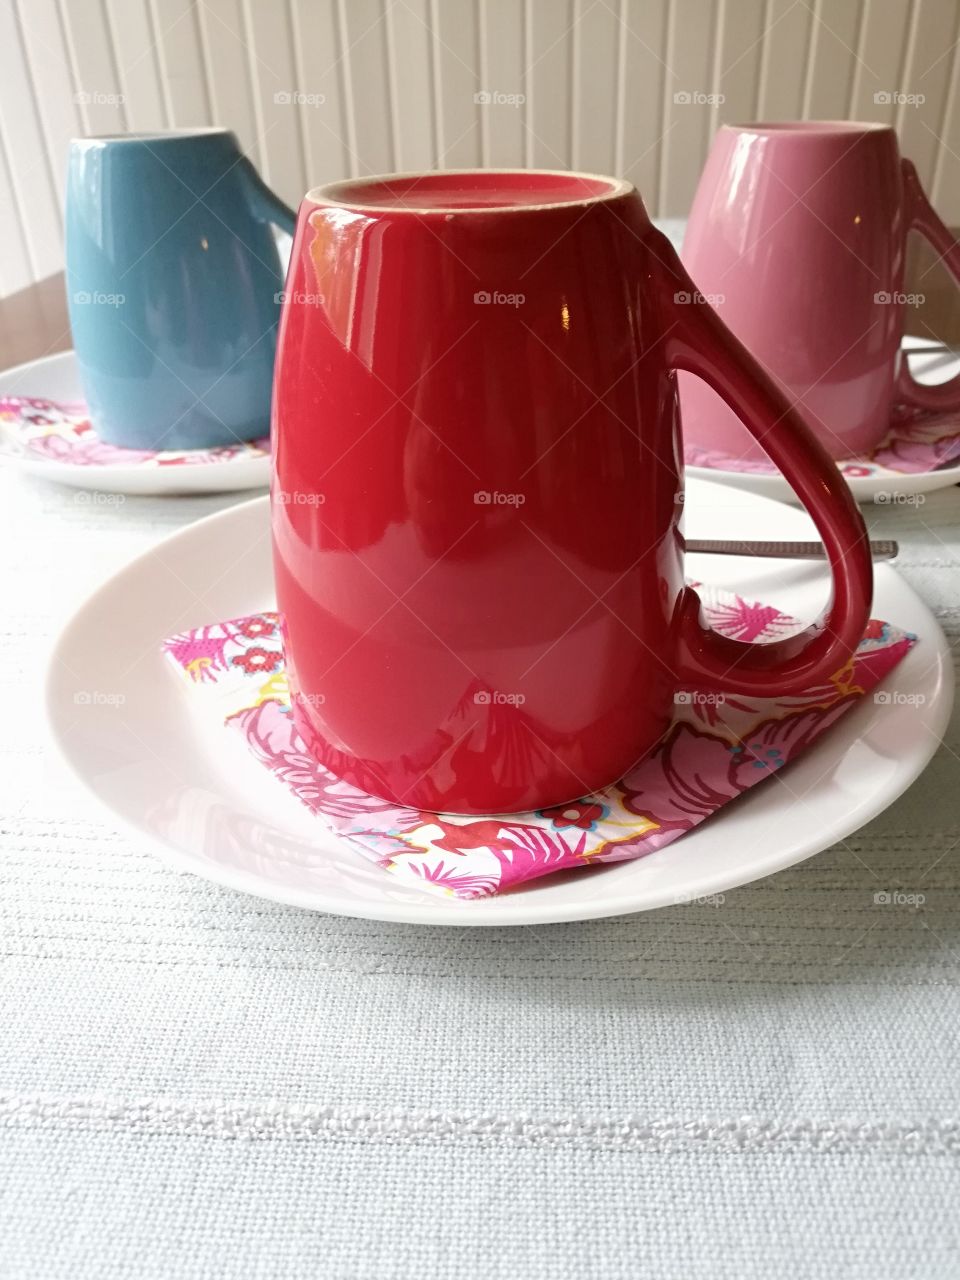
{"points": [[173, 286]]}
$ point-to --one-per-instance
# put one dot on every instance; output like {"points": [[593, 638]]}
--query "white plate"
{"points": [[130, 731], [57, 378], [881, 486]]}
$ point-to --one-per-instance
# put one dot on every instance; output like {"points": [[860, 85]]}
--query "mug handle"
{"points": [[699, 343], [921, 216], [266, 204]]}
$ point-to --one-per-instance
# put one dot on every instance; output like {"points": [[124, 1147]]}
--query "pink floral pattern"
{"points": [[919, 440], [63, 433], [714, 750]]}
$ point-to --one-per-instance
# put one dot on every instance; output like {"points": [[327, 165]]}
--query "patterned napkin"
{"points": [[52, 432], [715, 749], [919, 440]]}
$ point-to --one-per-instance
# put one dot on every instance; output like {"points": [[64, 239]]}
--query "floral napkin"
{"points": [[53, 432], [715, 749], [919, 440]]}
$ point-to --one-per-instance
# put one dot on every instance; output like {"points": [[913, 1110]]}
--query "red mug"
{"points": [[478, 483]]}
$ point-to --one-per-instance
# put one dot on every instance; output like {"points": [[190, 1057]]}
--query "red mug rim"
{"points": [[582, 189]]}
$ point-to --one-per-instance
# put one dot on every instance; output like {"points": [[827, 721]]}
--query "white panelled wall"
{"points": [[317, 89]]}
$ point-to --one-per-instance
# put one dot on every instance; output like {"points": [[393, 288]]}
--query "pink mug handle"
{"points": [[699, 343], [922, 217]]}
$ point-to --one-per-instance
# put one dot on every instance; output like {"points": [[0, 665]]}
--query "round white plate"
{"points": [[57, 378], [132, 734], [881, 486]]}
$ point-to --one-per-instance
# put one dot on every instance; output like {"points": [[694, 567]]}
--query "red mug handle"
{"points": [[699, 343], [921, 216]]}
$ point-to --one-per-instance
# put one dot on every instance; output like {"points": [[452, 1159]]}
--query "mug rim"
{"points": [[323, 195], [809, 128], [153, 135]]}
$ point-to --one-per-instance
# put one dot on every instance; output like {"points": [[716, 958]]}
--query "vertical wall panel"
{"points": [[783, 60], [138, 63], [645, 79], [320, 71], [35, 195], [502, 62], [927, 71], [48, 63], [739, 52], [944, 185], [690, 53], [456, 61], [224, 43], [833, 58], [278, 112], [17, 270], [364, 51], [596, 35], [177, 34], [411, 80], [883, 38], [549, 65], [317, 89], [98, 89]]}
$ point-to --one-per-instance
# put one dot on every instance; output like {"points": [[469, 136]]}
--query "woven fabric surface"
{"points": [[198, 1084]]}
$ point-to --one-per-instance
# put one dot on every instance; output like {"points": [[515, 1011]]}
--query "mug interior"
{"points": [[457, 190]]}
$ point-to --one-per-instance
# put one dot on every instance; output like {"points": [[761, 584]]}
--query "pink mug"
{"points": [[477, 483], [797, 237]]}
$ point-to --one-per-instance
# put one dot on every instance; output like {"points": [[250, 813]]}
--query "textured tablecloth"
{"points": [[198, 1084]]}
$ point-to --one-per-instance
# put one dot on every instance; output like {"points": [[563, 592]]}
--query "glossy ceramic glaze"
{"points": [[178, 782], [478, 487], [173, 279], [129, 471], [797, 236]]}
